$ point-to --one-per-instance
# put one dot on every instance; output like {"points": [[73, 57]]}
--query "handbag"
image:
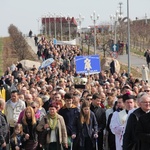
{"points": [[42, 135]]}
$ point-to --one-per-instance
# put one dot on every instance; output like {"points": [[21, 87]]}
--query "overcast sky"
{"points": [[24, 13]]}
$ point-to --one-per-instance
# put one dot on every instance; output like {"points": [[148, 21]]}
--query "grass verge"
{"points": [[137, 52]]}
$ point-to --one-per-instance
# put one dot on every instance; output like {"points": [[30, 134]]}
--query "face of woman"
{"points": [[86, 110], [28, 114], [52, 111]]}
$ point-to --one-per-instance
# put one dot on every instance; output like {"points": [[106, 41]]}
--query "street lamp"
{"points": [[55, 24], [116, 17], [69, 20], [49, 24], [61, 26], [79, 20], [38, 25], [45, 26], [112, 25], [145, 18], [94, 17], [128, 38]]}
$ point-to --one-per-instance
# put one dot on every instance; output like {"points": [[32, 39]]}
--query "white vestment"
{"points": [[117, 125]]}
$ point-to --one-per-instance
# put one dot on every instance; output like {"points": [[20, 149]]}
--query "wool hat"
{"points": [[53, 105]]}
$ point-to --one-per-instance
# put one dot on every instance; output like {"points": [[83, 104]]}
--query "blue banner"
{"points": [[87, 64]]}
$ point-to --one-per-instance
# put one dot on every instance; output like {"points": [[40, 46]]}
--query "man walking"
{"points": [[129, 139], [119, 119], [100, 117], [3, 126], [69, 112], [14, 107]]}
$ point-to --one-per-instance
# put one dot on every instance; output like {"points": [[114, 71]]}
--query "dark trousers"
{"points": [[51, 146], [4, 148], [88, 145], [69, 148], [100, 140]]}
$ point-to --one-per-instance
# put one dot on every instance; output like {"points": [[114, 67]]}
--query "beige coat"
{"points": [[61, 129]]}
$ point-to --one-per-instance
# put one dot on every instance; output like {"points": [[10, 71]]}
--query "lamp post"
{"points": [[128, 38], [79, 20], [69, 20], [94, 17], [145, 18], [38, 31], [49, 24], [61, 26], [112, 25], [55, 24], [45, 26]]}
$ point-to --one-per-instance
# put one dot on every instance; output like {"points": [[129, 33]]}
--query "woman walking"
{"points": [[56, 137], [85, 128], [29, 124]]}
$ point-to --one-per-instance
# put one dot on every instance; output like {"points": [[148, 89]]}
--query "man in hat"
{"points": [[129, 139], [13, 108], [119, 119]]}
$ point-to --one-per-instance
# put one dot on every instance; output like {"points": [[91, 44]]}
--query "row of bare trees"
{"points": [[19, 44], [139, 34]]}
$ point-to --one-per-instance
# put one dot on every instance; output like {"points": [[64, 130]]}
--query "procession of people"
{"points": [[46, 108]]}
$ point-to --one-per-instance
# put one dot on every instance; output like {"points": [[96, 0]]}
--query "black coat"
{"points": [[100, 117], [143, 132], [78, 128], [31, 130], [130, 141], [3, 129], [101, 120]]}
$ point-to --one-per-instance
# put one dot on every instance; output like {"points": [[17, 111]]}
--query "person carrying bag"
{"points": [[56, 137]]}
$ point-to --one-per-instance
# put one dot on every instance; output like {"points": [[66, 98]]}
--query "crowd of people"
{"points": [[48, 109]]}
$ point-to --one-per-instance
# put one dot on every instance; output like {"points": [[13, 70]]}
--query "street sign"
{"points": [[54, 41], [87, 64], [114, 47], [114, 54]]}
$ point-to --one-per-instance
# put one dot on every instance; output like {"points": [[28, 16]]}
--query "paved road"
{"points": [[31, 43], [135, 61]]}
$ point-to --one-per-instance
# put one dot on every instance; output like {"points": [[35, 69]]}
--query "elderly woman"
{"points": [[56, 136]]}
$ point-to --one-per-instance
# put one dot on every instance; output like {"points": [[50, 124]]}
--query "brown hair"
{"points": [[14, 136], [24, 119], [85, 118]]}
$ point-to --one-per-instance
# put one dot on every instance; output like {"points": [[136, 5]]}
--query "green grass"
{"points": [[1, 51], [137, 52]]}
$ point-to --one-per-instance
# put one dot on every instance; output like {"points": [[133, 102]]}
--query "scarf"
{"points": [[52, 121]]}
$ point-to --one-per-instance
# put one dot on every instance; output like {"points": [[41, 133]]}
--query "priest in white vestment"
{"points": [[118, 121]]}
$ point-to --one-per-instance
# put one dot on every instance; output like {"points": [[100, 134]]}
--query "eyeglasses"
{"points": [[145, 102], [146, 90], [89, 99]]}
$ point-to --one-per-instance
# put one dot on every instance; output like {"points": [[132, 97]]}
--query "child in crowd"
{"points": [[17, 138]]}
